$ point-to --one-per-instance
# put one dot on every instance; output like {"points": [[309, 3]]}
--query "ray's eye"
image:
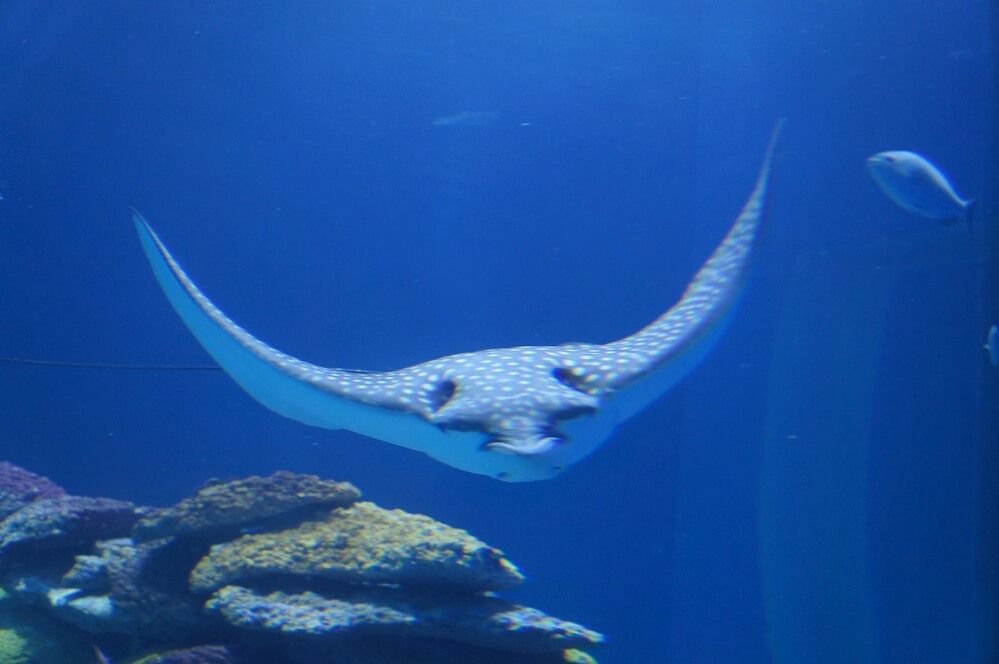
{"points": [[438, 397], [570, 379]]}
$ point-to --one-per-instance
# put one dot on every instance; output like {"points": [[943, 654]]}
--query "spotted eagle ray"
{"points": [[515, 414]]}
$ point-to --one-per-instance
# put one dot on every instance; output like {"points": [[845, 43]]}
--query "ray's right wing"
{"points": [[368, 403]]}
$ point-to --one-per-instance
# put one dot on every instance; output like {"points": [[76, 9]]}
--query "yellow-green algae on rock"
{"points": [[573, 656], [29, 636], [362, 543]]}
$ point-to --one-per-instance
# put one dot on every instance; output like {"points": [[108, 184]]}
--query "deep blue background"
{"points": [[287, 154]]}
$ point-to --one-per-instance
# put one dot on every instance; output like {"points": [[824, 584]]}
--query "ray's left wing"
{"points": [[633, 371]]}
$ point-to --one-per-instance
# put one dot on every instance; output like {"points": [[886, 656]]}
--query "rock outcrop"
{"points": [[18, 487], [67, 524], [129, 588], [196, 655], [219, 510], [374, 612], [30, 636], [361, 544], [291, 566]]}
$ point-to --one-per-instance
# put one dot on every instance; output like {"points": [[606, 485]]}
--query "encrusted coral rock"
{"points": [[573, 656], [291, 565], [144, 594], [220, 510], [361, 544], [147, 587], [194, 655], [88, 573], [18, 487], [138, 590], [70, 523], [408, 651], [29, 636], [478, 620]]}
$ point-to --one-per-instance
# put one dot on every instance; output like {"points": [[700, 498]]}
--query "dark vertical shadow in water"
{"points": [[813, 528], [987, 536]]}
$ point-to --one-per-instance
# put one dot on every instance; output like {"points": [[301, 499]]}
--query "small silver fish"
{"points": [[992, 345], [918, 186]]}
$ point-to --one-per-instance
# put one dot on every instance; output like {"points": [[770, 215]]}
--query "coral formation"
{"points": [[573, 656], [67, 523], [18, 487], [362, 543], [220, 509], [195, 655], [88, 573], [134, 589], [477, 620], [291, 565], [29, 636]]}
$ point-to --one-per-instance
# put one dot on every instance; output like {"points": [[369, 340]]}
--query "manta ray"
{"points": [[515, 414]]}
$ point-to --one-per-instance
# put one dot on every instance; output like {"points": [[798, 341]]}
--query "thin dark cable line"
{"points": [[109, 365]]}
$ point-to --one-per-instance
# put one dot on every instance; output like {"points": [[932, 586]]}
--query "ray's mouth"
{"points": [[540, 441], [533, 446]]}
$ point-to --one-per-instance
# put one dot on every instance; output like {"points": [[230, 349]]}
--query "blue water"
{"points": [[808, 494]]}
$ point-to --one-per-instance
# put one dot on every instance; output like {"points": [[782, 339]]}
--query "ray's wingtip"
{"points": [[763, 175], [775, 136], [144, 228], [137, 217], [148, 238]]}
